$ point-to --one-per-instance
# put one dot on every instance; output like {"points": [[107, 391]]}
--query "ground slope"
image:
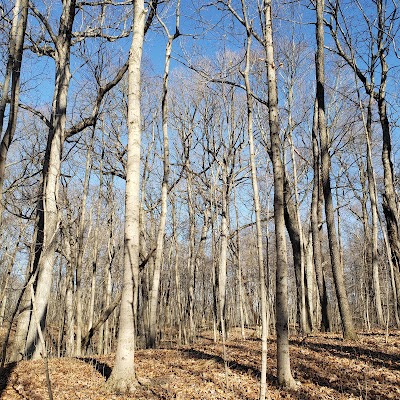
{"points": [[326, 367]]}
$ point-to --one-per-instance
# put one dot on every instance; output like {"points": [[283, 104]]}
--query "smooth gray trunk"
{"points": [[285, 377], [123, 377]]}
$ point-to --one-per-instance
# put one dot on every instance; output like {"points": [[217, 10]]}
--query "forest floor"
{"points": [[325, 365]]}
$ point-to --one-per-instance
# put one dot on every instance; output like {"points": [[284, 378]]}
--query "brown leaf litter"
{"points": [[325, 365]]}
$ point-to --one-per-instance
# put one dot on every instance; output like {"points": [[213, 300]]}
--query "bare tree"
{"points": [[257, 208], [13, 75], [123, 378], [316, 224], [337, 267], [381, 30], [285, 377], [154, 297], [47, 213]]}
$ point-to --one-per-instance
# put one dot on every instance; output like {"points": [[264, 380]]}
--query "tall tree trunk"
{"points": [[214, 258], [13, 72], [223, 257], [123, 377], [239, 269], [316, 217], [4, 289], [257, 208], [285, 377], [23, 306], [223, 265], [365, 281], [394, 277], [107, 288], [179, 307], [191, 256], [337, 268], [292, 217], [155, 288], [374, 212], [80, 251], [96, 244], [295, 234], [389, 204], [69, 292], [47, 209]]}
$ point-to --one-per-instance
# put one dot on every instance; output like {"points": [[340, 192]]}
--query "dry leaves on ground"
{"points": [[326, 366]]}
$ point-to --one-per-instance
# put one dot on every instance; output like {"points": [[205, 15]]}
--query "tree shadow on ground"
{"points": [[355, 381], [272, 380], [344, 382], [244, 368], [322, 371], [5, 373], [102, 368], [377, 358]]}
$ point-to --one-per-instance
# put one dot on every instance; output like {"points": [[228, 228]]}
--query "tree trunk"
{"points": [[295, 235], [123, 377], [80, 252], [292, 217], [178, 307], [223, 257], [4, 289], [389, 204], [337, 268], [285, 377], [257, 209], [191, 256], [375, 220], [316, 217], [13, 72], [107, 288], [154, 296], [24, 307], [47, 209], [69, 303], [239, 270]]}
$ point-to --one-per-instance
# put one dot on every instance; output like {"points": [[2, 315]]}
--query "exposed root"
{"points": [[121, 385]]}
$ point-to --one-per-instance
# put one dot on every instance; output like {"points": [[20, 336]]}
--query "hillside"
{"points": [[326, 367]]}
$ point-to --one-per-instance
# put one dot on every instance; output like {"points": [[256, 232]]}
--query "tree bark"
{"points": [[123, 377], [316, 217], [257, 209], [285, 377], [47, 209], [295, 235], [155, 288], [80, 249], [4, 289], [13, 72], [389, 204], [99, 323], [337, 267]]}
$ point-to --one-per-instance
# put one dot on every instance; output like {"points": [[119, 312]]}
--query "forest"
{"points": [[199, 199]]}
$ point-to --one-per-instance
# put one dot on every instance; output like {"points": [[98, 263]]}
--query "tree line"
{"points": [[250, 184]]}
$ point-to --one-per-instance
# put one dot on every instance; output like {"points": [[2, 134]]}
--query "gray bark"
{"points": [[337, 268], [47, 208], [13, 72], [257, 209], [123, 377], [155, 288], [285, 377], [316, 223]]}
